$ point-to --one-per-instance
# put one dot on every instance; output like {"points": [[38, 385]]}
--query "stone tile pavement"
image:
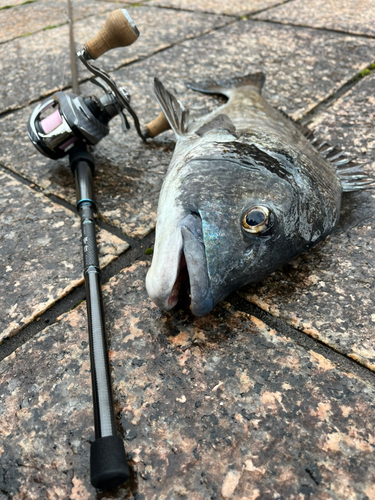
{"points": [[272, 395]]}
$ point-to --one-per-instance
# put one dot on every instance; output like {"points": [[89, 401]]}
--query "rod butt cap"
{"points": [[108, 464]]}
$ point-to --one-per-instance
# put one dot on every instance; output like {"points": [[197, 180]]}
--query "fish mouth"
{"points": [[191, 266]]}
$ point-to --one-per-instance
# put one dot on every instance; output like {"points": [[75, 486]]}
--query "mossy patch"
{"points": [[11, 6], [149, 251], [51, 27], [364, 72]]}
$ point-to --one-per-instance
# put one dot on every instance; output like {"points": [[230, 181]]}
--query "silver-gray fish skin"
{"points": [[245, 154]]}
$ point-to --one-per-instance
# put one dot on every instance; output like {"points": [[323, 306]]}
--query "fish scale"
{"points": [[243, 158]]}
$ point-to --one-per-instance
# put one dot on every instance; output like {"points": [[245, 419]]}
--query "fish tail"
{"points": [[224, 87], [176, 114]]}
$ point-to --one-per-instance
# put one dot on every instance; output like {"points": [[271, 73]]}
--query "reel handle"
{"points": [[157, 126], [119, 30]]}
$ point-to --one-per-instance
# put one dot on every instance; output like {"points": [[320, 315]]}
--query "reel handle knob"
{"points": [[119, 30], [157, 126]]}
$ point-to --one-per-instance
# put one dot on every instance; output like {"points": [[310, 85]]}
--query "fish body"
{"points": [[245, 193]]}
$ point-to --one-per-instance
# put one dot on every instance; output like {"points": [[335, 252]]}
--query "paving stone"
{"points": [[351, 16], [7, 4], [129, 173], [41, 255], [48, 51], [327, 293], [214, 407], [29, 18], [235, 7]]}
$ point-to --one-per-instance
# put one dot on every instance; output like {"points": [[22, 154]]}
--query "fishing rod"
{"points": [[67, 124]]}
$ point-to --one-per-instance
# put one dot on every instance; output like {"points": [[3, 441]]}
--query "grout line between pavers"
{"points": [[126, 64], [10, 6], [47, 28], [239, 17], [249, 16], [115, 230], [341, 360], [135, 252], [326, 103], [76, 296], [295, 25]]}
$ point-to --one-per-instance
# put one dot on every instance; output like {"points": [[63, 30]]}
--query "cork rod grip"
{"points": [[118, 31], [157, 126]]}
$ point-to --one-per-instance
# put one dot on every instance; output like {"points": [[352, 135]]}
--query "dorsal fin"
{"points": [[349, 170], [213, 86], [176, 114]]}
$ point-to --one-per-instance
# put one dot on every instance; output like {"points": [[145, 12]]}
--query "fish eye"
{"points": [[257, 220]]}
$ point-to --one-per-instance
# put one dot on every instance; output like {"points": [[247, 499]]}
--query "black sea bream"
{"points": [[245, 193]]}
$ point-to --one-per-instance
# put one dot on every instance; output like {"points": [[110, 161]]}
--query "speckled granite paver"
{"points": [[37, 65], [216, 407], [41, 254], [234, 7], [26, 19], [351, 16], [129, 173], [327, 293]]}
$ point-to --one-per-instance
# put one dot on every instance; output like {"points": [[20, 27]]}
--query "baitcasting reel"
{"points": [[55, 125]]}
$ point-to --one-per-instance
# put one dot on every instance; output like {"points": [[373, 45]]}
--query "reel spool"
{"points": [[55, 125]]}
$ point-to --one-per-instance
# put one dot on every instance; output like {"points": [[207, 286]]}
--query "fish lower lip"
{"points": [[182, 276], [195, 258]]}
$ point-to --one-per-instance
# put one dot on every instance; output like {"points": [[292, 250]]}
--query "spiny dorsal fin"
{"points": [[349, 170], [213, 86], [176, 114]]}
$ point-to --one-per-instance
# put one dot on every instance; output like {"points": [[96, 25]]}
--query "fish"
{"points": [[246, 191]]}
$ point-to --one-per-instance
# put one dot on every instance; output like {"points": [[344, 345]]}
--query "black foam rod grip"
{"points": [[108, 464]]}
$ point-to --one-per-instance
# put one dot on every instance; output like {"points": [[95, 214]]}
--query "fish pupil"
{"points": [[254, 218]]}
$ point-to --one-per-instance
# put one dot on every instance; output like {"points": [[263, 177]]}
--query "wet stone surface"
{"points": [[41, 254], [351, 16], [49, 50], [214, 407], [235, 7], [23, 20], [129, 173], [328, 292]]}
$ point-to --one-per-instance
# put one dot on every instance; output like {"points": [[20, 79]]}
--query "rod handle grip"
{"points": [[157, 125], [118, 31]]}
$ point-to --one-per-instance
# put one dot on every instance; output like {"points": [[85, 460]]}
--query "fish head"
{"points": [[229, 221]]}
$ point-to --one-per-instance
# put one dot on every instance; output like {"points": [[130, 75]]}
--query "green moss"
{"points": [[244, 18], [364, 72], [50, 27], [25, 34], [149, 251], [372, 66], [11, 6]]}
